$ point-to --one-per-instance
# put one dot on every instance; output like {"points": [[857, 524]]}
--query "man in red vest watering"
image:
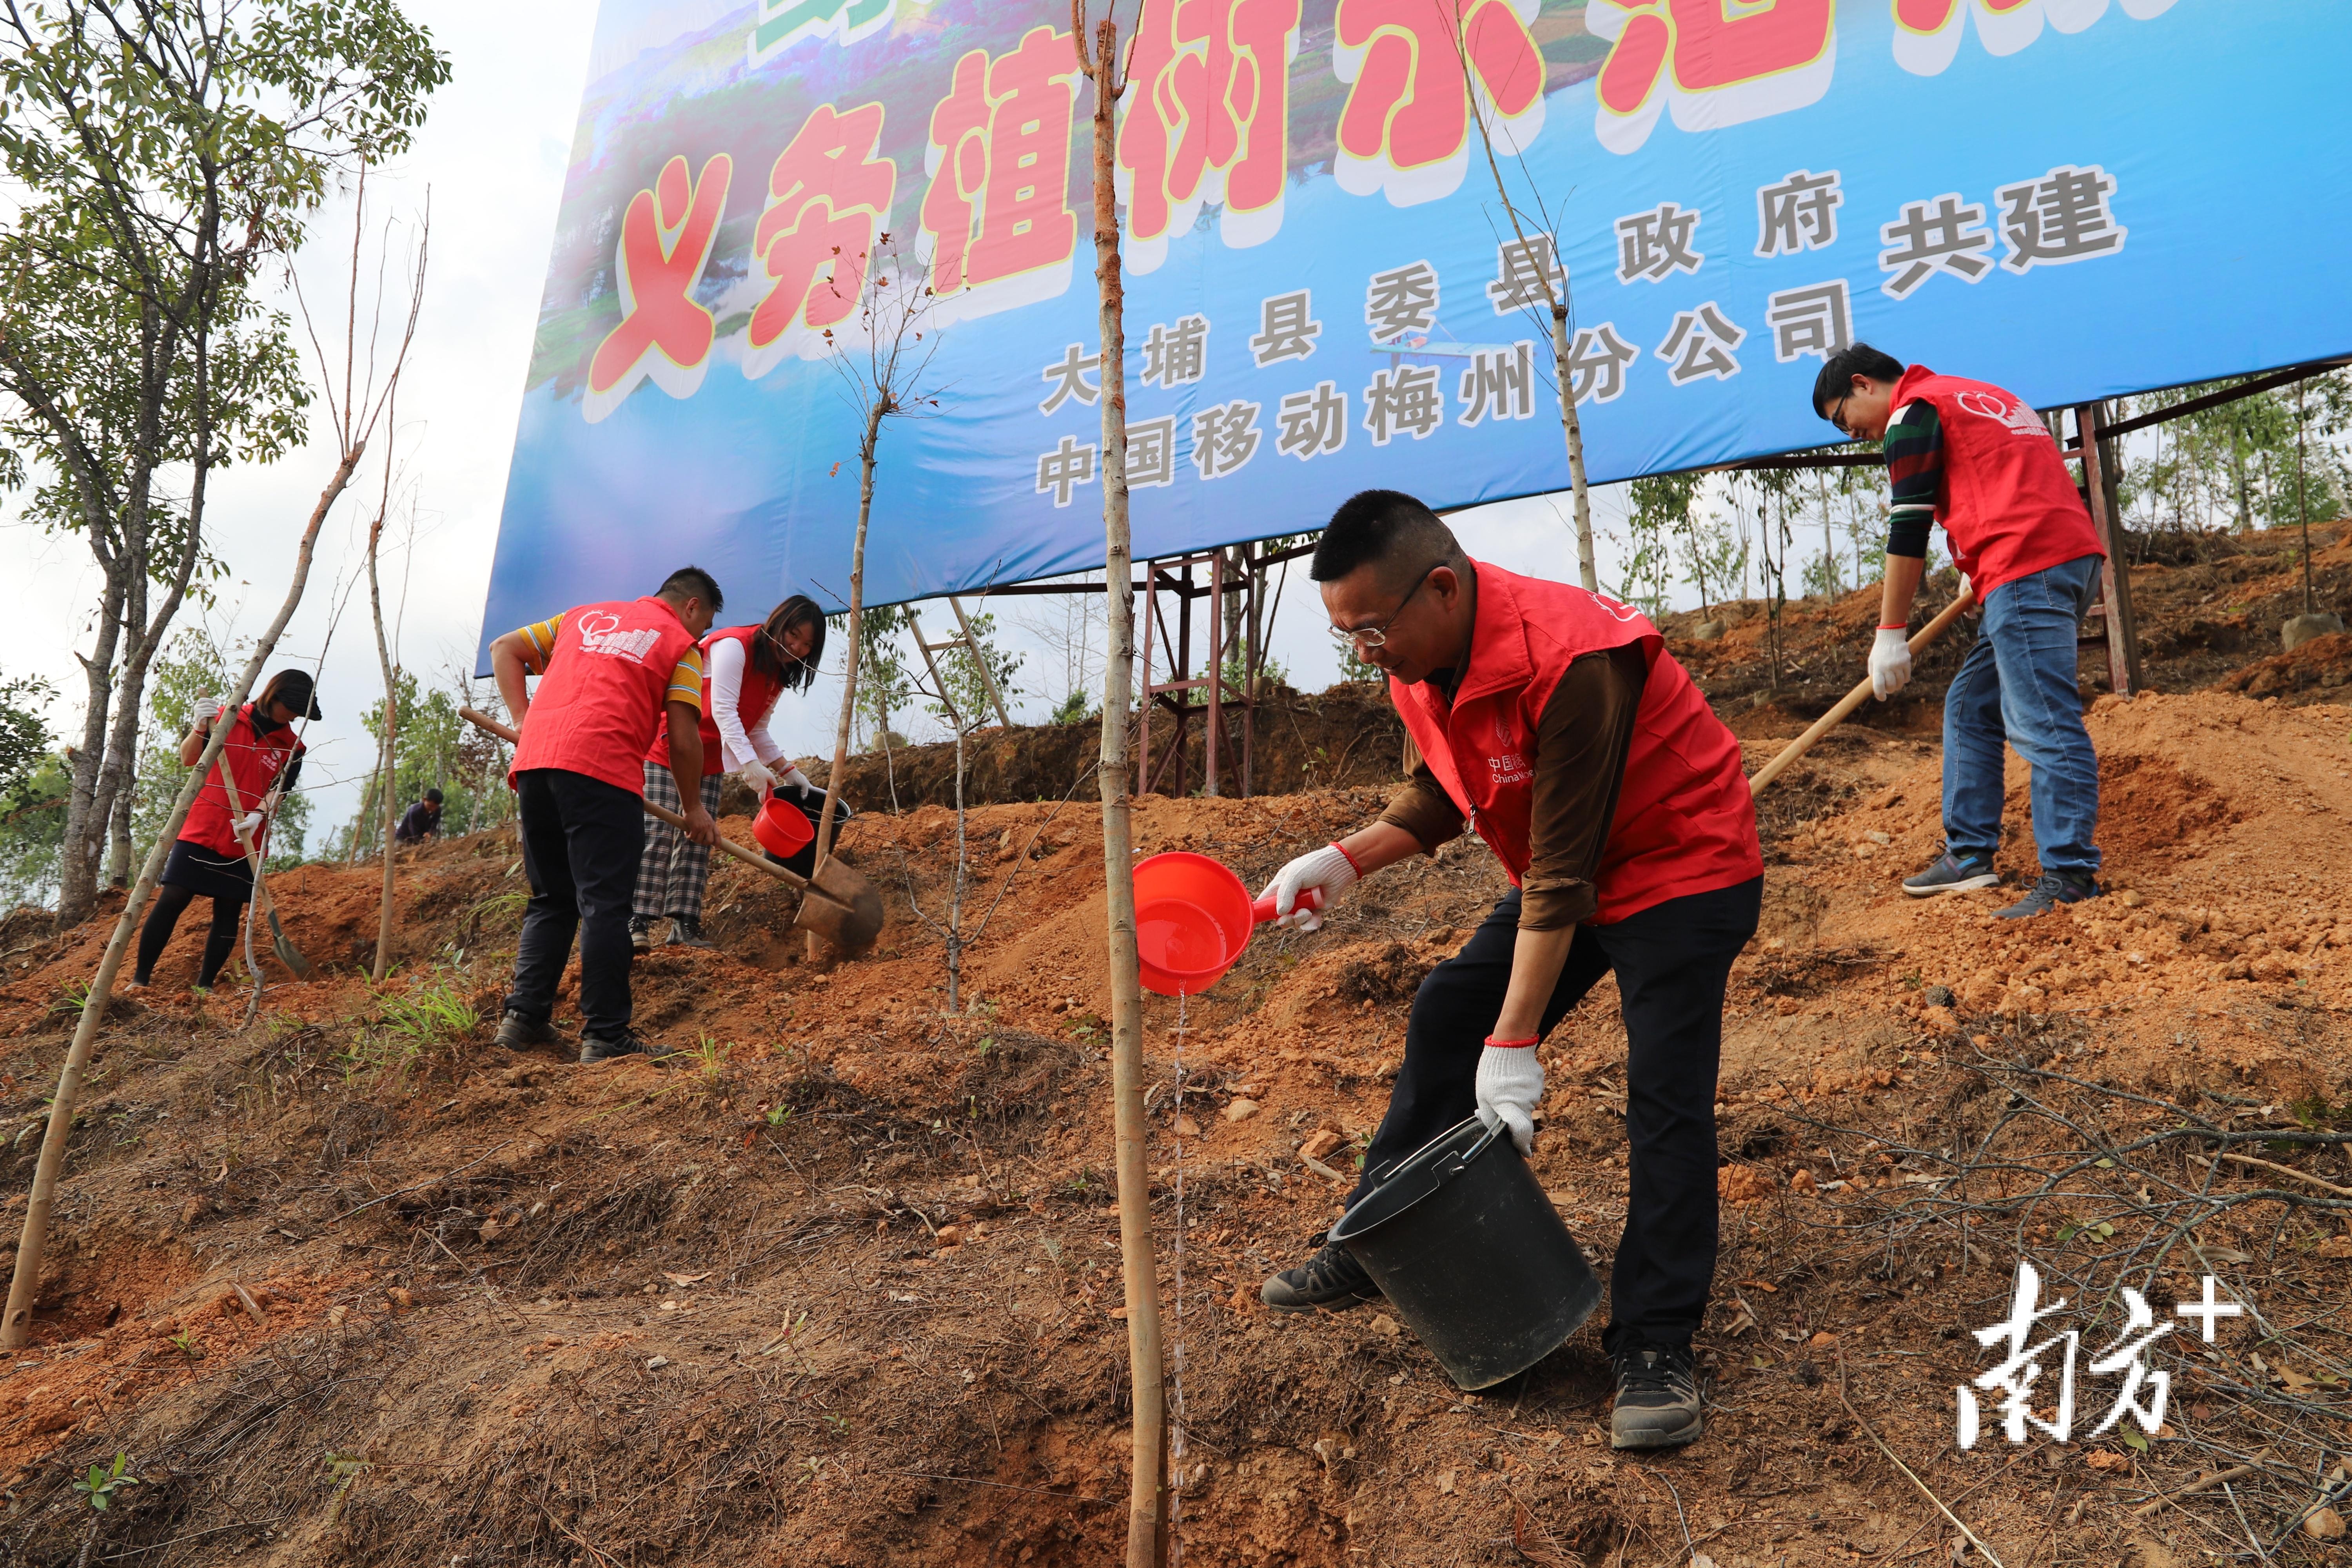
{"points": [[608, 674], [1979, 461], [1552, 721]]}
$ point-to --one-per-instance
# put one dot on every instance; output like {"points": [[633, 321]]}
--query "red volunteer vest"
{"points": [[254, 761], [2010, 508], [1686, 821], [600, 698], [754, 697]]}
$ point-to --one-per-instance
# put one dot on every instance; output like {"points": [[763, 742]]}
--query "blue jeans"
{"points": [[2017, 684]]}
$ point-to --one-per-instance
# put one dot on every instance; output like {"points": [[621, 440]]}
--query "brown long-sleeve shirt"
{"points": [[1582, 744]]}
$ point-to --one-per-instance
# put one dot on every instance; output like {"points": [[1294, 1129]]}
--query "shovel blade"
{"points": [[287, 953], [842, 907]]}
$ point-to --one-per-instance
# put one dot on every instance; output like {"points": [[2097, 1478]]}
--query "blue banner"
{"points": [[2072, 198]]}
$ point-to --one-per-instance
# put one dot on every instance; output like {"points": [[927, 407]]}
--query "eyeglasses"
{"points": [[1369, 638], [1837, 415]]}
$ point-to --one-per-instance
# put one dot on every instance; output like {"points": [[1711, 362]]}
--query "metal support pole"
{"points": [[2123, 632], [987, 676], [1210, 739]]}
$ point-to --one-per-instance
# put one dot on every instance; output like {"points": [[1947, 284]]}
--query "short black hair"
{"points": [[694, 582], [434, 795], [1839, 370], [1388, 528]]}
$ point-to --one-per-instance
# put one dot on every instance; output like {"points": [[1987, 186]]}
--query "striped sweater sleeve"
{"points": [[1915, 470]]}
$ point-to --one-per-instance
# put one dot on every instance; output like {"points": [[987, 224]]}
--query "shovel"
{"points": [[840, 905], [1854, 699], [280, 942]]}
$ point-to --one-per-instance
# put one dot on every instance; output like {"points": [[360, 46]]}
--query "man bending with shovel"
{"points": [[609, 673], [1979, 461], [1553, 722]]}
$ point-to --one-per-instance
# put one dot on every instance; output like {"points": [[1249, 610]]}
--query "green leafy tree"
{"points": [[885, 683], [34, 785], [965, 691], [160, 157]]}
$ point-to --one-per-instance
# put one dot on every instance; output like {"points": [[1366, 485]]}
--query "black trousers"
{"points": [[170, 902], [582, 839], [1673, 962]]}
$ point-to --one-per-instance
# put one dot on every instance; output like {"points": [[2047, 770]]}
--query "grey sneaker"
{"points": [[685, 931], [1953, 873], [2054, 888], [517, 1033], [1331, 1280], [641, 932], [1657, 1398], [597, 1048]]}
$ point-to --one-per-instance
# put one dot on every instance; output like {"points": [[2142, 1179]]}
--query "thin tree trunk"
{"points": [[32, 1244], [874, 414], [1147, 1491], [955, 887], [387, 743]]}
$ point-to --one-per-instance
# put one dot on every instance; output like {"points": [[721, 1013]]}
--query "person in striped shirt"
{"points": [[1979, 461]]}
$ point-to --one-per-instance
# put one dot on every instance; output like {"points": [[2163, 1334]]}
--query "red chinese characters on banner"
{"points": [[828, 196], [1207, 120], [1406, 129], [997, 214], [1716, 64], [666, 239]]}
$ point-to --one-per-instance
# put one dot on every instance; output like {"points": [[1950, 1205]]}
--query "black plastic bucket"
{"points": [[1473, 1255]]}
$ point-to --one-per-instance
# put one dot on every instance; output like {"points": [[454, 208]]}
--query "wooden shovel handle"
{"points": [[482, 721], [1854, 699]]}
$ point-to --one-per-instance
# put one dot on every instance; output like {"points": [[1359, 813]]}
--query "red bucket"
{"points": [[782, 828], [1191, 922]]}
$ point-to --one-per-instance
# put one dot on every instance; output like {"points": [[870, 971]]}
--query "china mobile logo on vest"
{"points": [[2021, 420], [1508, 769], [602, 634]]}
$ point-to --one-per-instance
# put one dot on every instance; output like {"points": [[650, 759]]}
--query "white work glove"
{"points": [[1890, 662], [1510, 1088], [1328, 868], [207, 710], [756, 773], [793, 779], [248, 824]]}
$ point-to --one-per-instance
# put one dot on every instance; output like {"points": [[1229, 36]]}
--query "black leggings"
{"points": [[219, 942]]}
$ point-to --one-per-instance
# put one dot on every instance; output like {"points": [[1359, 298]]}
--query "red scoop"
{"points": [[1192, 918]]}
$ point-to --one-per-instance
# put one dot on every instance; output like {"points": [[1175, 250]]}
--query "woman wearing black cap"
{"points": [[264, 758]]}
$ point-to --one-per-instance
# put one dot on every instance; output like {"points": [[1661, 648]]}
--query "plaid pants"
{"points": [[675, 869]]}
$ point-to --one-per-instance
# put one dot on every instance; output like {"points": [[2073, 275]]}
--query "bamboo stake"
{"points": [[1853, 699], [1147, 1490]]}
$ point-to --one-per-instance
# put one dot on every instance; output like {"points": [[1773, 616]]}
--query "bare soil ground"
{"points": [[840, 1285]]}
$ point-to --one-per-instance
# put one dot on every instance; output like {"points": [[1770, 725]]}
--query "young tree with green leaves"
{"points": [[162, 158]]}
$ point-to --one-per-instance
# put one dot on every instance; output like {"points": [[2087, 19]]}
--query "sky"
{"points": [[491, 160]]}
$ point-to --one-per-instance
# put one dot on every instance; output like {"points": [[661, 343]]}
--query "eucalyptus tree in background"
{"points": [[161, 159]]}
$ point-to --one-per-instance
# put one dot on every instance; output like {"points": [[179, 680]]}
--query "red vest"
{"points": [[2008, 507], [254, 761], [1686, 821], [754, 697], [602, 696]]}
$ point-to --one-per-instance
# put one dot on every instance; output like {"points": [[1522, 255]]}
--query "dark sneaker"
{"points": [[2055, 887], [597, 1048], [685, 931], [1331, 1280], [517, 1033], [1657, 1398], [641, 932], [1953, 873]]}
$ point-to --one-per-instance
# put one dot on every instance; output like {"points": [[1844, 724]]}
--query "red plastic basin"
{"points": [[1192, 918], [782, 828]]}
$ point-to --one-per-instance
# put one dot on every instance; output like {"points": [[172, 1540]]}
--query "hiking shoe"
{"points": [[1953, 873], [517, 1033], [641, 932], [2055, 887], [1657, 1398], [597, 1048], [1331, 1280], [685, 931]]}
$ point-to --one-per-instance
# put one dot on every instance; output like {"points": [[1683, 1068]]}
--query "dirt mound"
{"points": [[839, 1284], [2313, 671]]}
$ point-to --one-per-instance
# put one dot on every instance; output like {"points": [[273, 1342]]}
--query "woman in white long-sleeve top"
{"points": [[745, 669]]}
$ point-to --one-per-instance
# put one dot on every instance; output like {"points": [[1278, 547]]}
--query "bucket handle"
{"points": [[1457, 1164]]}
